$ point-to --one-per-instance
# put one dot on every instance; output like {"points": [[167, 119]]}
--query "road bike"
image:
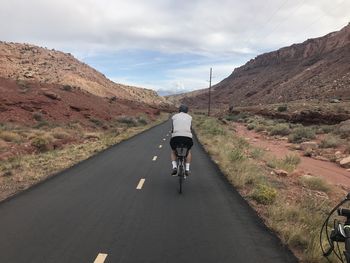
{"points": [[181, 153], [339, 234]]}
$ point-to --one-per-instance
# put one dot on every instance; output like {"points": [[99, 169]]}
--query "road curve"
{"points": [[122, 206]]}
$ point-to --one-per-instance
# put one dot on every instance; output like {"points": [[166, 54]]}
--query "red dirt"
{"points": [[328, 170], [21, 101]]}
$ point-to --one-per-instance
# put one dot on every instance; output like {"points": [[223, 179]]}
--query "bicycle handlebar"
{"points": [[337, 234], [343, 212]]}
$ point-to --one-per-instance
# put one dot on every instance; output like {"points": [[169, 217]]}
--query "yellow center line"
{"points": [[100, 258], [139, 186], [154, 158], [160, 146]]}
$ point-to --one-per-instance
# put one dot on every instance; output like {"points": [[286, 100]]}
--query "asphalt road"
{"points": [[94, 212]]}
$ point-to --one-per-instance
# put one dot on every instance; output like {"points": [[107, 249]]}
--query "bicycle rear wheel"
{"points": [[181, 178]]}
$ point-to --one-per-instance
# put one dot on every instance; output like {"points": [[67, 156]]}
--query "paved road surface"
{"points": [[94, 212]]}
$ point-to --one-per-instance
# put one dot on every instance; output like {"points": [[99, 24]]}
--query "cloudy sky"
{"points": [[168, 45]]}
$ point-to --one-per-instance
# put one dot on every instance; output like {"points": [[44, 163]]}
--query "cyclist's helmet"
{"points": [[183, 108]]}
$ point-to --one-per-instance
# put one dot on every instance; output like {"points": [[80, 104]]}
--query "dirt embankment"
{"points": [[280, 148], [27, 102], [305, 112]]}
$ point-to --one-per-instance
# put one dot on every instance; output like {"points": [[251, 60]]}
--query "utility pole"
{"points": [[209, 102]]}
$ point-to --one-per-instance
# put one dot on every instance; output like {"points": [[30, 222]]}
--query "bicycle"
{"points": [[339, 234], [181, 153]]}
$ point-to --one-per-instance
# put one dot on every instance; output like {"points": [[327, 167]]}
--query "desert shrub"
{"points": [[282, 108], [288, 163], [251, 126], [7, 168], [329, 142], [142, 120], [38, 116], [344, 129], [314, 183], [236, 155], [129, 121], [41, 124], [112, 99], [301, 134], [67, 88], [325, 129], [264, 194], [292, 159], [241, 143], [259, 128], [97, 122], [347, 147], [60, 134], [280, 129], [41, 143], [256, 153], [9, 136], [298, 240], [237, 117], [308, 152]]}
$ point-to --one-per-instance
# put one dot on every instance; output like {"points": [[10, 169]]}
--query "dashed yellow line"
{"points": [[140, 185], [100, 258], [154, 158]]}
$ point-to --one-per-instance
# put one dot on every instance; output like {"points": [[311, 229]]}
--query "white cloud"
{"points": [[210, 28]]}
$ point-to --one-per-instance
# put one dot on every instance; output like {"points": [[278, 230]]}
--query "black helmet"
{"points": [[183, 108]]}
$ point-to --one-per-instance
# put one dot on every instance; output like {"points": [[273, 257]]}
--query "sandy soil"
{"points": [[328, 170]]}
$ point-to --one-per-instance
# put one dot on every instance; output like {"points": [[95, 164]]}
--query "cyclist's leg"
{"points": [[173, 156], [189, 144], [189, 157]]}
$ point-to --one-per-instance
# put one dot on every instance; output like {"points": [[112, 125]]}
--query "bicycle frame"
{"points": [[181, 153]]}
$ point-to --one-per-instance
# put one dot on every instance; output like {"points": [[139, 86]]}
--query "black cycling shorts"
{"points": [[181, 140]]}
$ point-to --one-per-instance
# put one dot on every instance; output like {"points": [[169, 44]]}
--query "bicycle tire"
{"points": [[181, 177]]}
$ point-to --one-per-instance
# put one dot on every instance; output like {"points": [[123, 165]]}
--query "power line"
{"points": [[268, 20], [298, 6]]}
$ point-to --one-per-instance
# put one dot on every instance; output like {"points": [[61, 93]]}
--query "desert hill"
{"points": [[29, 62], [315, 69]]}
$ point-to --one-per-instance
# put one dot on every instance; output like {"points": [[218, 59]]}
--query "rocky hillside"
{"points": [[29, 62], [315, 69]]}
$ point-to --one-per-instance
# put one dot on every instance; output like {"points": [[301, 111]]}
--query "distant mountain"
{"points": [[29, 62], [315, 69]]}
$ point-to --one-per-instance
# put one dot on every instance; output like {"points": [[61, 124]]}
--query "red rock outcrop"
{"points": [[315, 69]]}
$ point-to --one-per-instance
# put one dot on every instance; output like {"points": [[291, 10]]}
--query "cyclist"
{"points": [[181, 134]]}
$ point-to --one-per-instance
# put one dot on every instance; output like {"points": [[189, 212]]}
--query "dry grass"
{"points": [[330, 141], [315, 183], [288, 163], [10, 136], [295, 212]]}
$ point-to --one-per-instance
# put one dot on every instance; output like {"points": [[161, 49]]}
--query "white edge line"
{"points": [[139, 186], [100, 258]]}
